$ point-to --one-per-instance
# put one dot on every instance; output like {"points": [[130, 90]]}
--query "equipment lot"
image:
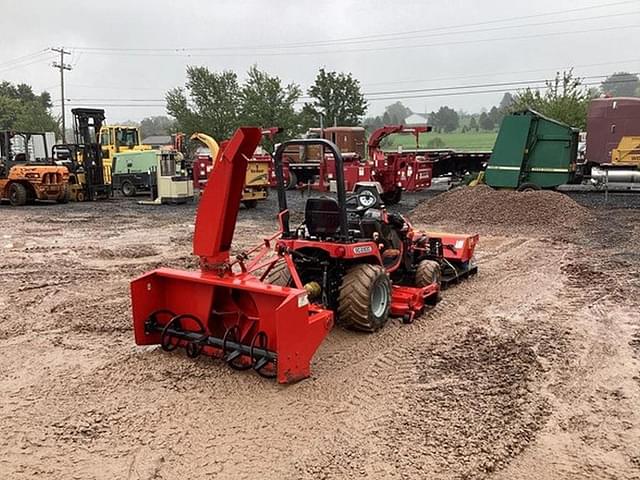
{"points": [[530, 370]]}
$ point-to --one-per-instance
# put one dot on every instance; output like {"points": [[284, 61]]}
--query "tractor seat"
{"points": [[322, 217]]}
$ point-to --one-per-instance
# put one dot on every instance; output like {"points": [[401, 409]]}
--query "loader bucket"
{"points": [[250, 325]]}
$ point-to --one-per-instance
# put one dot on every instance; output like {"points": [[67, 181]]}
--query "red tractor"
{"points": [[270, 308]]}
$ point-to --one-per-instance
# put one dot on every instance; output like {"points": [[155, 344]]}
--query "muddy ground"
{"points": [[529, 371]]}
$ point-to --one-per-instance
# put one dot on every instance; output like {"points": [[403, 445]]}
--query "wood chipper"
{"points": [[256, 186], [269, 309]]}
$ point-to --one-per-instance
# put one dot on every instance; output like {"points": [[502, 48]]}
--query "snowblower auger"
{"points": [[224, 310]]}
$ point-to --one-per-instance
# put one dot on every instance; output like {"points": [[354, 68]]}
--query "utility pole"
{"points": [[62, 67]]}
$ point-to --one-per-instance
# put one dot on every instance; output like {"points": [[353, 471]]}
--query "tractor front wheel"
{"points": [[279, 275], [17, 194], [365, 298]]}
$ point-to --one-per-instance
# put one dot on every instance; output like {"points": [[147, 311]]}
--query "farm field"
{"points": [[481, 141]]}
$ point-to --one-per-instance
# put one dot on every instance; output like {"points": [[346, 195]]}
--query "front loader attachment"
{"points": [[250, 325]]}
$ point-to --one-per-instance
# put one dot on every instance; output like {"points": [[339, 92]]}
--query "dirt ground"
{"points": [[530, 371]]}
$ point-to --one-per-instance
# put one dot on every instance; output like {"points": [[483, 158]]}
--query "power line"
{"points": [[362, 50], [41, 59], [376, 37], [518, 83], [24, 57], [564, 67]]}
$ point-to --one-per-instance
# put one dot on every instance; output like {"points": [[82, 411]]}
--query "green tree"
{"points": [[621, 84], [565, 99], [208, 103], [506, 102], [486, 122], [398, 113], [265, 102], [473, 124], [308, 117], [157, 125], [496, 116], [337, 96], [444, 120], [22, 109]]}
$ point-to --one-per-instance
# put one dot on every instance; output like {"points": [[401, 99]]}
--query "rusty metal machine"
{"points": [[26, 176], [270, 308]]}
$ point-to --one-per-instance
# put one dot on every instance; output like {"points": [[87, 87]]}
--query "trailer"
{"points": [[535, 152]]}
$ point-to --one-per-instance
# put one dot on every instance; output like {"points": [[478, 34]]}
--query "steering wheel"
{"points": [[354, 207]]}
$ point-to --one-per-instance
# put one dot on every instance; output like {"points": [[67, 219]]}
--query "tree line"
{"points": [[217, 103]]}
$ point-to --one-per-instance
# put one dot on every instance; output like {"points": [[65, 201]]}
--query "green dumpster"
{"points": [[531, 152]]}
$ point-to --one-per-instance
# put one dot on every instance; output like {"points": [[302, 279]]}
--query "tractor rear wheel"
{"points": [[428, 272], [279, 275], [17, 194], [365, 298]]}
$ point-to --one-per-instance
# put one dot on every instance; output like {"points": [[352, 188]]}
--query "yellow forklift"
{"points": [[89, 177]]}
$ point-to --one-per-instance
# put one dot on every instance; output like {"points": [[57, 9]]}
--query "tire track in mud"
{"points": [[391, 380], [407, 402]]}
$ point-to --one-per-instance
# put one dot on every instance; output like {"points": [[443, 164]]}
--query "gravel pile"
{"points": [[542, 211]]}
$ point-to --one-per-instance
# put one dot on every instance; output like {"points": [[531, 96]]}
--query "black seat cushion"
{"points": [[322, 217]]}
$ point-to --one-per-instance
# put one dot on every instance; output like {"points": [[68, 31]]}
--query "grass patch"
{"points": [[476, 141]]}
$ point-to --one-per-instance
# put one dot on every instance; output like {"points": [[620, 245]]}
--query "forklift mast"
{"points": [[87, 123]]}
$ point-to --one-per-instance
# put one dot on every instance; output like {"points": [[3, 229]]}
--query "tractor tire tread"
{"points": [[279, 275], [354, 301]]}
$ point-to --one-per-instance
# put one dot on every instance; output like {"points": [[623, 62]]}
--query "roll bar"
{"points": [[282, 192]]}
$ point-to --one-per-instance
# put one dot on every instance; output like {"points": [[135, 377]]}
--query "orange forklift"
{"points": [[27, 173]]}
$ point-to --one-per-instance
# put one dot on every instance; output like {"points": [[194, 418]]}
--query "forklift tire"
{"points": [[293, 181], [429, 272], [364, 300], [80, 196], [64, 198], [250, 203], [17, 194], [529, 187], [128, 189], [279, 275]]}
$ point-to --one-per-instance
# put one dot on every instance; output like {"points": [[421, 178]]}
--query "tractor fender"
{"points": [[362, 185]]}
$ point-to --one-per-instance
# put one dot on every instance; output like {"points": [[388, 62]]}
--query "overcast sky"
{"points": [[389, 46]]}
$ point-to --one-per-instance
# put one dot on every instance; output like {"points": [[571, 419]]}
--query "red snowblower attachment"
{"points": [[223, 310]]}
